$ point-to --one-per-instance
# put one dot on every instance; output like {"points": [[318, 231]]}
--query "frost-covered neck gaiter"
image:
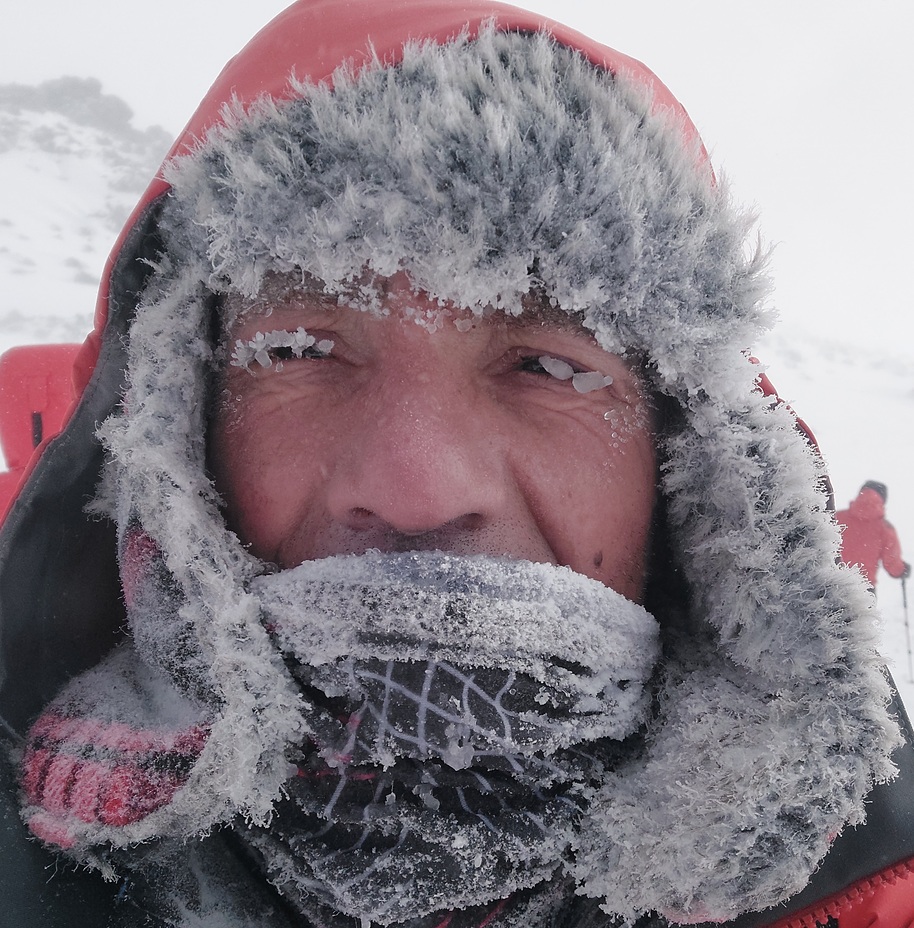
{"points": [[457, 714], [462, 710]]}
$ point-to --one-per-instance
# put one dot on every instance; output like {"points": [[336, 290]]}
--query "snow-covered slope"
{"points": [[859, 401], [73, 166]]}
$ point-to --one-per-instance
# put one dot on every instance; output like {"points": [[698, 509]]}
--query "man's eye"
{"points": [[583, 381], [544, 364], [278, 346], [317, 351]]}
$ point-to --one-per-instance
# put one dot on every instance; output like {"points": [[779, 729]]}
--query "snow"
{"points": [[70, 198], [588, 381], [559, 369], [78, 167]]}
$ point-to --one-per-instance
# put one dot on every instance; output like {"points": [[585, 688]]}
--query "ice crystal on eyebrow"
{"points": [[258, 348], [582, 381]]}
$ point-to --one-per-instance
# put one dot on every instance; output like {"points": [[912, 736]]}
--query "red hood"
{"points": [[309, 41], [312, 38]]}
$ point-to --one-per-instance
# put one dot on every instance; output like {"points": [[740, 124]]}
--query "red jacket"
{"points": [[868, 538]]}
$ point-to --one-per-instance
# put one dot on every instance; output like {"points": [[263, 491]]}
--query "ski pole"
{"points": [[907, 627]]}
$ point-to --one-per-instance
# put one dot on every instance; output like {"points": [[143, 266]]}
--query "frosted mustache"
{"points": [[588, 650]]}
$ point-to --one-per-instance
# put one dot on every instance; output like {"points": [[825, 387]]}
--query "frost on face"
{"points": [[582, 381], [278, 345]]}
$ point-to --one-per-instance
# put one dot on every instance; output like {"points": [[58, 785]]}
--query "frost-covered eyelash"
{"points": [[582, 381], [258, 348]]}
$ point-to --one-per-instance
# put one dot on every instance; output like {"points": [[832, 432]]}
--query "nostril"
{"points": [[472, 521], [363, 519]]}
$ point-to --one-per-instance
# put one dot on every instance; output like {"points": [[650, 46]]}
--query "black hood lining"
{"points": [[60, 599]]}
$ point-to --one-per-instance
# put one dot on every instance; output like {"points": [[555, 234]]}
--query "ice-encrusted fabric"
{"points": [[487, 169], [207, 883], [465, 709], [464, 657], [112, 751], [459, 712], [119, 743]]}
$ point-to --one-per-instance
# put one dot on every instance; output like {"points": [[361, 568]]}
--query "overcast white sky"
{"points": [[806, 105]]}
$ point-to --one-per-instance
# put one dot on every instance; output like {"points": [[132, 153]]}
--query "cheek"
{"points": [[596, 498], [234, 462], [621, 524], [256, 458]]}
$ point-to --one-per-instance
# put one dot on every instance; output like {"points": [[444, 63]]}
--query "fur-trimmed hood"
{"points": [[485, 158]]}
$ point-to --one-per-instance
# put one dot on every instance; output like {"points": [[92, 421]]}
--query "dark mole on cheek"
{"points": [[598, 559]]}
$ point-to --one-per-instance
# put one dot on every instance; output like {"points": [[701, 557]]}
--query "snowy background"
{"points": [[805, 108]]}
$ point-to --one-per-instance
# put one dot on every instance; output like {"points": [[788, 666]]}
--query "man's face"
{"points": [[465, 437]]}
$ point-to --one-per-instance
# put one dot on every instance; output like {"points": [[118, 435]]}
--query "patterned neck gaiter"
{"points": [[462, 712]]}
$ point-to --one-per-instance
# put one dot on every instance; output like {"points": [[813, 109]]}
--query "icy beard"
{"points": [[462, 712]]}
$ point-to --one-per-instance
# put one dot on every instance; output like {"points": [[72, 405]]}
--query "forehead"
{"points": [[283, 297]]}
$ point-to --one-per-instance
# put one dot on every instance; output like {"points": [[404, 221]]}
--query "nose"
{"points": [[418, 464]]}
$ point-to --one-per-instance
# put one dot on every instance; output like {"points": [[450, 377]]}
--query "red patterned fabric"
{"points": [[89, 771]]}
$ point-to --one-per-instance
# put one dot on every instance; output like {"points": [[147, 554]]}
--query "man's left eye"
{"points": [[546, 364], [583, 381]]}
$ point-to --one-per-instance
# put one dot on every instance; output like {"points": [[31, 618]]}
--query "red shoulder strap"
{"points": [[36, 396]]}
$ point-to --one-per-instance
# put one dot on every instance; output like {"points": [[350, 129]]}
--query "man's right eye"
{"points": [[278, 346], [315, 352]]}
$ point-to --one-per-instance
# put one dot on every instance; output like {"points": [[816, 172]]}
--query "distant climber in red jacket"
{"points": [[868, 537]]}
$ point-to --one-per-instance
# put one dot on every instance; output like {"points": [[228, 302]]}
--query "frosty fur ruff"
{"points": [[483, 168]]}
